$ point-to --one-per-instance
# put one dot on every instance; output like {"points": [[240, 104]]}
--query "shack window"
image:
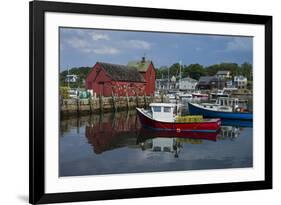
{"points": [[156, 109], [167, 109]]}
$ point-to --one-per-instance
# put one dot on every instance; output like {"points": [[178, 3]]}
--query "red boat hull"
{"points": [[205, 126]]}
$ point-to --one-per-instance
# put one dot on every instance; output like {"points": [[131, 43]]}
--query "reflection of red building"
{"points": [[136, 79], [112, 133]]}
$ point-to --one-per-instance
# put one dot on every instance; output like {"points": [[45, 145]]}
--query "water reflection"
{"points": [[119, 138], [112, 131]]}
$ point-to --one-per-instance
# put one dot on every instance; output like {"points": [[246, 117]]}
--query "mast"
{"points": [[67, 77], [180, 75]]}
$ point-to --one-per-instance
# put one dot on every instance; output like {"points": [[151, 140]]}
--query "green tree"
{"points": [[194, 71]]}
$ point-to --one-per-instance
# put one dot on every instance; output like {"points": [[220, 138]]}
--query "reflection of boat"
{"points": [[149, 133], [162, 141], [161, 117], [229, 132], [227, 108], [237, 123]]}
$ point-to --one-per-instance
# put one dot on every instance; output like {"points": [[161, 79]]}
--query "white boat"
{"points": [[198, 94], [185, 97], [219, 93], [172, 97]]}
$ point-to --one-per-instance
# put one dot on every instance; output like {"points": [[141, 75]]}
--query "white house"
{"points": [[71, 78], [166, 84], [187, 84], [240, 81], [223, 74]]}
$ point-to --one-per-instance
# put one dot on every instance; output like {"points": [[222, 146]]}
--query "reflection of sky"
{"points": [[84, 47], [78, 158]]}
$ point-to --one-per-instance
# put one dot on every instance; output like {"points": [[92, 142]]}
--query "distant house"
{"points": [[108, 79], [187, 84], [71, 78], [210, 82], [223, 74], [162, 84], [166, 84], [240, 81], [147, 70]]}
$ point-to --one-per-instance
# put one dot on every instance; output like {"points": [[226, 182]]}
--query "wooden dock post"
{"points": [[137, 100], [78, 104], [145, 101], [114, 108], [90, 104], [101, 103], [127, 101]]}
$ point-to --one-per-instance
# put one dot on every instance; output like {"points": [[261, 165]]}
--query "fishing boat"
{"points": [[198, 94], [171, 97], [162, 116], [185, 97], [219, 93], [226, 108]]}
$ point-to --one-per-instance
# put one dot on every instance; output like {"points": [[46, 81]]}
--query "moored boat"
{"points": [[161, 117], [185, 97], [198, 94], [219, 93], [226, 108]]}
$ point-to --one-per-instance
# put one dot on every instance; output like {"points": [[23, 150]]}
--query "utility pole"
{"points": [[168, 77]]}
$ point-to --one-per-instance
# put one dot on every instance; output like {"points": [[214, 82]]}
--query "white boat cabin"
{"points": [[163, 111], [223, 104], [225, 101]]}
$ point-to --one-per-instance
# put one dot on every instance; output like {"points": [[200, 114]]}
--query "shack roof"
{"points": [[122, 72], [188, 79], [205, 80], [223, 72]]}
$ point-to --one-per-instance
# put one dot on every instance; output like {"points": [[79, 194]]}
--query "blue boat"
{"points": [[224, 108]]}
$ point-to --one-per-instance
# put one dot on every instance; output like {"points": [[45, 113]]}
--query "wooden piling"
{"points": [[101, 103], [127, 101], [145, 101], [90, 104], [137, 100], [78, 104], [114, 108]]}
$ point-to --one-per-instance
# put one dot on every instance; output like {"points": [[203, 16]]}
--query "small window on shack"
{"points": [[167, 109], [156, 109]]}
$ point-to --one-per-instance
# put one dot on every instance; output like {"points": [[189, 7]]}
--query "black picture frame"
{"points": [[37, 194]]}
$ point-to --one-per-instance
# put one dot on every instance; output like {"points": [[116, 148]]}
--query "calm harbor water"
{"points": [[116, 143]]}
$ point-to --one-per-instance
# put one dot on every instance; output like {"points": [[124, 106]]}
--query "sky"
{"points": [[84, 47]]}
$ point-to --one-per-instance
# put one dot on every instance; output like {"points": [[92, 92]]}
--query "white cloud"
{"points": [[138, 44], [106, 50], [99, 36], [90, 47], [239, 44], [76, 42]]}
